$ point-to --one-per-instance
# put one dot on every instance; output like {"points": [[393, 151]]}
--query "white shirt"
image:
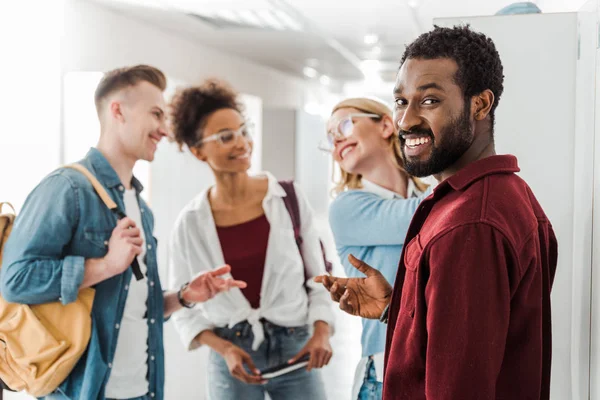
{"points": [[194, 248], [411, 190], [378, 359], [129, 366]]}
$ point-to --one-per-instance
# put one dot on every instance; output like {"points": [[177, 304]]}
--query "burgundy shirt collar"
{"points": [[501, 164]]}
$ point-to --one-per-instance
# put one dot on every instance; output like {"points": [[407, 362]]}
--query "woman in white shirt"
{"points": [[242, 220]]}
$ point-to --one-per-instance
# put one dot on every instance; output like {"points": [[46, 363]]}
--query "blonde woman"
{"points": [[375, 202]]}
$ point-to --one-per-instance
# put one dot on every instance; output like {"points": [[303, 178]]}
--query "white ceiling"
{"points": [[332, 32]]}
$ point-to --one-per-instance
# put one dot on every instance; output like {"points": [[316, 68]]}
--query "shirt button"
{"points": [[60, 299], [152, 394], [126, 287], [149, 247], [151, 283], [142, 210], [121, 188], [109, 365], [106, 242], [152, 321], [117, 326], [152, 358]]}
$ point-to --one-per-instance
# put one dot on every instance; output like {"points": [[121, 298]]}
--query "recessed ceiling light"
{"points": [[371, 38], [325, 80], [309, 72]]}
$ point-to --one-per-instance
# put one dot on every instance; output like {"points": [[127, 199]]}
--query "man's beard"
{"points": [[454, 140]]}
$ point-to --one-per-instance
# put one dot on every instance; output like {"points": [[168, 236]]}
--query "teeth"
{"points": [[155, 141], [417, 142], [346, 151]]}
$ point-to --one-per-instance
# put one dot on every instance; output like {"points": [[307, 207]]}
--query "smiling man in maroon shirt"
{"points": [[469, 315]]}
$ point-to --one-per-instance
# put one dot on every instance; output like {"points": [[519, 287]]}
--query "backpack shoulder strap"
{"points": [[6, 222], [106, 199], [291, 203], [112, 206], [6, 203]]}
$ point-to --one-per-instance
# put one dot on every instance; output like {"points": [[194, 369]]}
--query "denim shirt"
{"points": [[62, 223]]}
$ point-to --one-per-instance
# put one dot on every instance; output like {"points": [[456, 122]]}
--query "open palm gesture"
{"points": [[207, 285], [365, 297]]}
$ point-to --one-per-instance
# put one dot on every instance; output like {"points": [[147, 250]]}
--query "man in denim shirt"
{"points": [[65, 240]]}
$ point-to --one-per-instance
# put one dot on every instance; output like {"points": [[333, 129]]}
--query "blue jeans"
{"points": [[144, 397], [370, 389], [279, 346]]}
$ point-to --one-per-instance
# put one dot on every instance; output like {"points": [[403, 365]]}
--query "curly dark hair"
{"points": [[191, 107], [479, 64]]}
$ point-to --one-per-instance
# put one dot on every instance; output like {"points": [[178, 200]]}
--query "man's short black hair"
{"points": [[479, 65]]}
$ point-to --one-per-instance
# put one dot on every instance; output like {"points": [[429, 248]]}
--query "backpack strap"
{"points": [[6, 203], [291, 203], [110, 203], [6, 222], [106, 199]]}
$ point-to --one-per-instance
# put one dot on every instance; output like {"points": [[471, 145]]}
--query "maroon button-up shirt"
{"points": [[470, 311]]}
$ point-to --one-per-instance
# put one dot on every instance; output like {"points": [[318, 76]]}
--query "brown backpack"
{"points": [[6, 223], [40, 344]]}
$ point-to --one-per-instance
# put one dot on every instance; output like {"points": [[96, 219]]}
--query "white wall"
{"points": [[591, 51], [536, 121], [30, 102], [279, 133], [312, 165]]}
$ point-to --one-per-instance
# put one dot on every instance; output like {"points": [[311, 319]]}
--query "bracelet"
{"points": [[180, 297], [385, 314]]}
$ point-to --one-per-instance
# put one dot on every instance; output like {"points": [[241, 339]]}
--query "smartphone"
{"points": [[282, 369]]}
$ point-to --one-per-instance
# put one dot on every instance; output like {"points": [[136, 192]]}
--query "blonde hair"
{"points": [[372, 106]]}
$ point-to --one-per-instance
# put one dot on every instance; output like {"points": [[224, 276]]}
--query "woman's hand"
{"points": [[236, 358], [318, 347], [207, 285]]}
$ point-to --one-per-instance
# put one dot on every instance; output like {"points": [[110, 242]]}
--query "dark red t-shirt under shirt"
{"points": [[244, 248]]}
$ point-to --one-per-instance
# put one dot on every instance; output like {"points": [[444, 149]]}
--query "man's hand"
{"points": [[364, 297], [207, 285], [318, 347], [124, 244], [235, 358]]}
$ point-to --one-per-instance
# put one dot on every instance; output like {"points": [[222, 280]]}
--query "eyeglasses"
{"points": [[342, 129], [228, 137]]}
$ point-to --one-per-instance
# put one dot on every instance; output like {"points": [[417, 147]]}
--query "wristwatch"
{"points": [[180, 297]]}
